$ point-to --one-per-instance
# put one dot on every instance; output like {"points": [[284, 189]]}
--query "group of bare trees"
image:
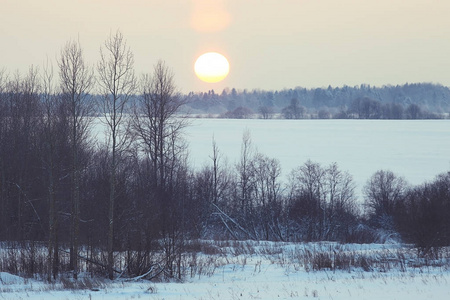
{"points": [[60, 186], [323, 202], [249, 200]]}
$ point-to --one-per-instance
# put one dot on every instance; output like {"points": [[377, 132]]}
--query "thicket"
{"points": [[131, 205]]}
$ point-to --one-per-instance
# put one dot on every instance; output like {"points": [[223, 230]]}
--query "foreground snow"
{"points": [[260, 282], [257, 275]]}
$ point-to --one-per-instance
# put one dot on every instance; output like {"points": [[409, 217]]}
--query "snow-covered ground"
{"points": [[415, 149], [271, 271]]}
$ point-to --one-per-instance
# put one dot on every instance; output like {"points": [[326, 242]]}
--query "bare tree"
{"points": [[266, 112], [294, 110], [156, 123], [3, 133], [322, 201], [307, 194], [117, 84], [217, 188], [215, 159], [382, 192], [50, 107], [266, 172], [245, 172], [366, 108], [76, 80], [340, 202], [23, 110], [158, 129]]}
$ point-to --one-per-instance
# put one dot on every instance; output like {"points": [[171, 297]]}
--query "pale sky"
{"points": [[270, 44]]}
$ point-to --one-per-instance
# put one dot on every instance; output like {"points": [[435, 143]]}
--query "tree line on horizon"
{"points": [[408, 101], [135, 193]]}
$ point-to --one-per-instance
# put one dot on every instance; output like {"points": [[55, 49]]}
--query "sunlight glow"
{"points": [[209, 15]]}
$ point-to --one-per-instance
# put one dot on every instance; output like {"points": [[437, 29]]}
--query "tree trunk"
{"points": [[112, 187]]}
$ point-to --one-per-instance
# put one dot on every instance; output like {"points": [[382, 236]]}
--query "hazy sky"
{"points": [[270, 44]]}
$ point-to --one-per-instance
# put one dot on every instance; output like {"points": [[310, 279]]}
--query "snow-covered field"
{"points": [[266, 270], [415, 149]]}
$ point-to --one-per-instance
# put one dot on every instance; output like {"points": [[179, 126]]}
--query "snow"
{"points": [[264, 282], [273, 283], [418, 150], [264, 270], [8, 279], [270, 283]]}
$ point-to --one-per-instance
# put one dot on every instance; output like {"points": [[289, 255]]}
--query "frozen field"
{"points": [[273, 271], [417, 150]]}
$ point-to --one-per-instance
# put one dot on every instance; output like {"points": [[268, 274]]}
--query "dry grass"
{"points": [[207, 258]]}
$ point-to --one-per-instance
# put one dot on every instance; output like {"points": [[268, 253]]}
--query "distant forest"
{"points": [[408, 101]]}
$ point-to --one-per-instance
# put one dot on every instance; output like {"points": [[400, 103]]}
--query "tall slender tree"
{"points": [[49, 104], [22, 117], [117, 83], [3, 132], [76, 79]]}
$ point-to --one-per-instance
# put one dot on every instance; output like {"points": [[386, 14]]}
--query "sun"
{"points": [[211, 67]]}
